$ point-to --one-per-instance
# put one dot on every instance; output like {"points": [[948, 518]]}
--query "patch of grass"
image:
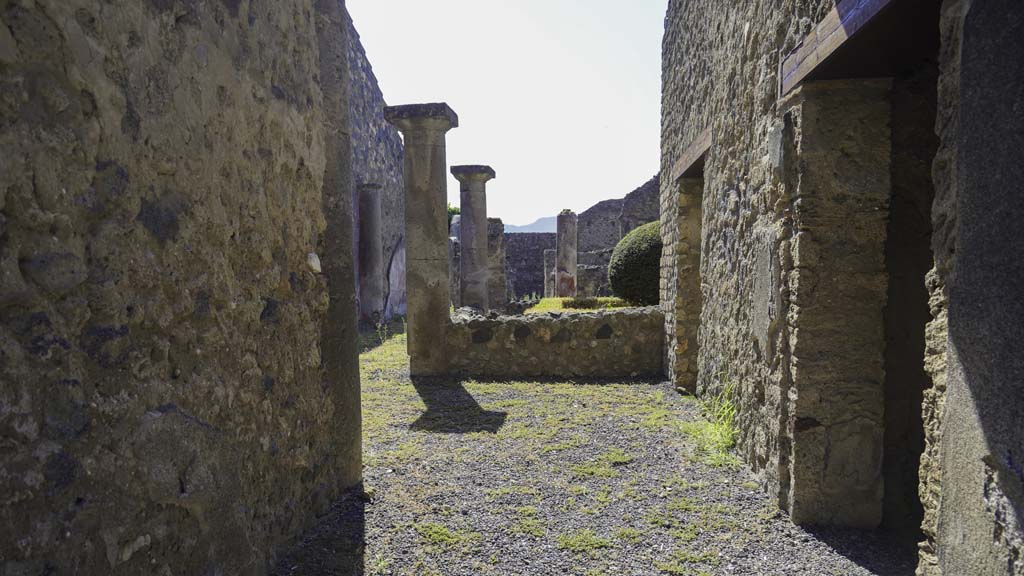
{"points": [[404, 451], [574, 442], [597, 469], [576, 305], [440, 535], [687, 533], [617, 457], [577, 489], [662, 519], [604, 466], [631, 535], [511, 489], [582, 541], [716, 436], [681, 560], [682, 504], [528, 527]]}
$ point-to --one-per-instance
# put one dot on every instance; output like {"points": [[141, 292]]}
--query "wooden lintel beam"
{"points": [[692, 157], [841, 24]]}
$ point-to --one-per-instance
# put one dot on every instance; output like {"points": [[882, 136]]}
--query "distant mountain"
{"points": [[549, 224]]}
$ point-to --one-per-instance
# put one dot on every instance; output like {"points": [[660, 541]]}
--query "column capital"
{"points": [[473, 173], [418, 116]]}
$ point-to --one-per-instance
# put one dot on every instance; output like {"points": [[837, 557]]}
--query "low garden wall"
{"points": [[624, 342]]}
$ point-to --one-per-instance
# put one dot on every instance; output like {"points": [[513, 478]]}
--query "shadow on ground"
{"points": [[336, 546], [878, 551], [451, 409]]}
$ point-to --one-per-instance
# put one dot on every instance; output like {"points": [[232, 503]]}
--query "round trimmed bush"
{"points": [[635, 267]]}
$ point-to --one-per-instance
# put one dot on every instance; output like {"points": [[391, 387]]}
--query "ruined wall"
{"points": [[524, 257], [377, 158], [605, 344], [598, 226], [162, 188], [603, 225], [640, 207]]}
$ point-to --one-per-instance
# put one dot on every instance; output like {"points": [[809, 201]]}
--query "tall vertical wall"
{"points": [[164, 175], [760, 276], [377, 159], [720, 72], [978, 241], [524, 255]]}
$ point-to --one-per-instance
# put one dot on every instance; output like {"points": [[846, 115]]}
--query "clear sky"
{"points": [[560, 97]]}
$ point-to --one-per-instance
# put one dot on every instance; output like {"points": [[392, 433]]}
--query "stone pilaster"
{"points": [[838, 289], [688, 297], [473, 260], [371, 254], [423, 128], [549, 273], [565, 262]]}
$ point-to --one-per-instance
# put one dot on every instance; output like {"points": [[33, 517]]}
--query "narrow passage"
{"points": [[470, 478]]}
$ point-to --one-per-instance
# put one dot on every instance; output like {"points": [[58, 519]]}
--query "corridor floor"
{"points": [[470, 478]]}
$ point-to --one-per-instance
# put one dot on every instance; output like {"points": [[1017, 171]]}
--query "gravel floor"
{"points": [[468, 478]]}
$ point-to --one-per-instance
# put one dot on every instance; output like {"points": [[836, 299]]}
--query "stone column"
{"points": [[455, 229], [497, 282], [423, 128], [565, 261], [473, 227], [454, 253], [371, 255], [549, 273]]}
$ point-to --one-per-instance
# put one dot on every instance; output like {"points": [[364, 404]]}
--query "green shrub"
{"points": [[635, 267]]}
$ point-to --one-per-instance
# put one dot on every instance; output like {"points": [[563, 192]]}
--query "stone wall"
{"points": [[169, 196], [978, 240], [603, 225], [640, 206], [812, 288], [745, 237], [606, 344], [377, 159], [524, 257], [592, 281], [598, 226]]}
